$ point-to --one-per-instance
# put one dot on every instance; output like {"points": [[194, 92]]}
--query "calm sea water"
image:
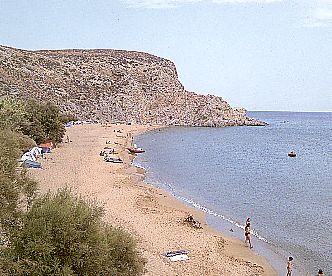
{"points": [[239, 172]]}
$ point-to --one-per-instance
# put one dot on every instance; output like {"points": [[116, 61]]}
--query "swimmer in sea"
{"points": [[320, 273]]}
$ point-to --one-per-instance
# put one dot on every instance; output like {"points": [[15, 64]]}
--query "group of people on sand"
{"points": [[290, 259]]}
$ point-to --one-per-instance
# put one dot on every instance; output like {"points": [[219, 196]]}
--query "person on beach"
{"points": [[247, 233], [289, 266], [320, 273]]}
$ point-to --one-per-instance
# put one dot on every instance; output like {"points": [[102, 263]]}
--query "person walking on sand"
{"points": [[247, 233], [289, 266]]}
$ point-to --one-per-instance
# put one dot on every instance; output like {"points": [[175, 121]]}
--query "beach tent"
{"points": [[28, 156], [69, 124], [49, 145], [32, 154], [45, 150], [31, 164], [36, 151]]}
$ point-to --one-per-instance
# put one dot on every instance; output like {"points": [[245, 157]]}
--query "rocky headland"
{"points": [[112, 86]]}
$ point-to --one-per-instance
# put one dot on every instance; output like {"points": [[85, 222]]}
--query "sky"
{"points": [[257, 54]]}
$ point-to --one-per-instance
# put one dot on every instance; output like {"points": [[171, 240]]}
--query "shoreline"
{"points": [[263, 248], [153, 216]]}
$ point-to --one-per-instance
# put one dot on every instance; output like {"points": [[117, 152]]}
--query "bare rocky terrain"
{"points": [[112, 86]]}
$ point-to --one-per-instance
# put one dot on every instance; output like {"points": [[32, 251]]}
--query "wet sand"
{"points": [[152, 216]]}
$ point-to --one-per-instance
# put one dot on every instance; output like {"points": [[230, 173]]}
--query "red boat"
{"points": [[136, 150]]}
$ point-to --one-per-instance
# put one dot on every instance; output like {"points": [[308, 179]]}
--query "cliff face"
{"points": [[112, 85]]}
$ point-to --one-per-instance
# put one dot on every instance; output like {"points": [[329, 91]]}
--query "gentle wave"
{"points": [[210, 212]]}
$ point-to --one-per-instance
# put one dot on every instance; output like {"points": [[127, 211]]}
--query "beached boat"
{"points": [[112, 159], [136, 150], [292, 154], [175, 252]]}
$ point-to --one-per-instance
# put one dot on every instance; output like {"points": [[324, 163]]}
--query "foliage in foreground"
{"points": [[16, 189], [56, 234], [39, 121], [64, 235]]}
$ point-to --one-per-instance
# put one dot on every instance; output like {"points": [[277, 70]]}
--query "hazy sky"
{"points": [[259, 54]]}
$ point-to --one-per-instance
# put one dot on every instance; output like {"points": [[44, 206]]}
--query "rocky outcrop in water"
{"points": [[114, 86]]}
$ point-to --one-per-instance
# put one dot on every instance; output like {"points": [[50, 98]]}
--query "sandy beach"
{"points": [[151, 215]]}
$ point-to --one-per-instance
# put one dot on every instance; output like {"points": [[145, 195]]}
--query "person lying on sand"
{"points": [[190, 218], [194, 223]]}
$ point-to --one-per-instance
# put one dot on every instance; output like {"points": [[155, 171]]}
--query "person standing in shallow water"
{"points": [[289, 266], [320, 273], [247, 233]]}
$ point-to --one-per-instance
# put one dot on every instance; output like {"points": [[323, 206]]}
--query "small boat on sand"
{"points": [[292, 154], [175, 252], [136, 150], [112, 159]]}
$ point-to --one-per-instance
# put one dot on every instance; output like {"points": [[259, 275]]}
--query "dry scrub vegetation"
{"points": [[56, 233]]}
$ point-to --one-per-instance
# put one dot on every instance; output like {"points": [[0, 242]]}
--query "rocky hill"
{"points": [[113, 86]]}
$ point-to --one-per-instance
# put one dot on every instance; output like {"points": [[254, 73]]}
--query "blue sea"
{"points": [[238, 172]]}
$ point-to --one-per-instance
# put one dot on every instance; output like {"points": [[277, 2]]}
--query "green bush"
{"points": [[16, 189], [40, 121], [45, 122], [25, 143], [56, 234], [12, 114], [64, 235]]}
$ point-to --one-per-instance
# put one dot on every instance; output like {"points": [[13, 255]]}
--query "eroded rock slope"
{"points": [[112, 85]]}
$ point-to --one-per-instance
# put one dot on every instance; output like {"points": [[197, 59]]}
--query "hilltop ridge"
{"points": [[114, 86]]}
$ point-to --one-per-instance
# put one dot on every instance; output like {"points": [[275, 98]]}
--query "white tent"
{"points": [[28, 156], [36, 151], [32, 154]]}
